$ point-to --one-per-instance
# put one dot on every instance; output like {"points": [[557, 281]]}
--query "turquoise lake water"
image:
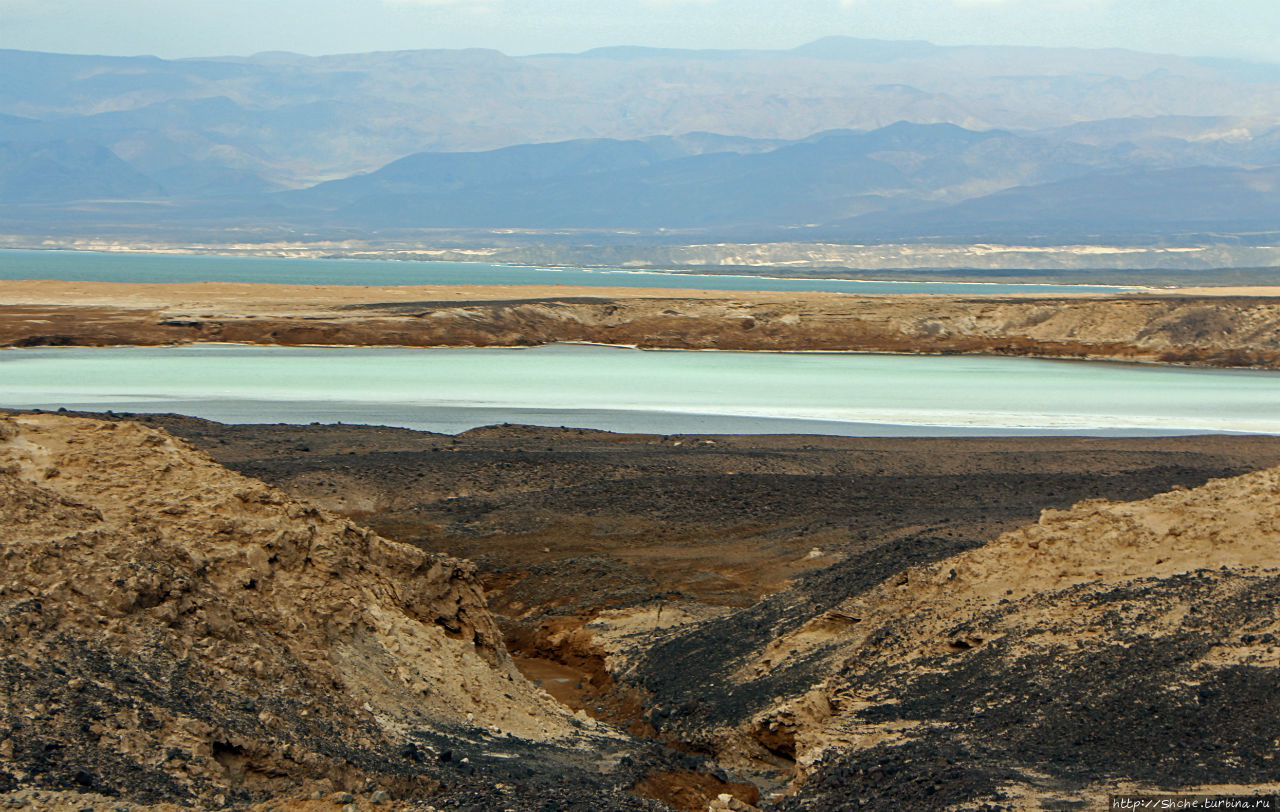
{"points": [[665, 392], [86, 266]]}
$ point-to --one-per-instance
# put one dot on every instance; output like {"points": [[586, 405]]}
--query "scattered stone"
{"points": [[727, 803]]}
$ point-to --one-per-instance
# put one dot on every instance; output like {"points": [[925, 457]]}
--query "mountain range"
{"points": [[840, 139]]}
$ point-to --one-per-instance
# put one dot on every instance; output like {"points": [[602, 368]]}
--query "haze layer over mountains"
{"points": [[838, 140]]}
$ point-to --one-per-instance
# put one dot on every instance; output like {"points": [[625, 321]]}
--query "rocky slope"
{"points": [[635, 566], [176, 635], [1219, 330], [174, 632], [1107, 647]]}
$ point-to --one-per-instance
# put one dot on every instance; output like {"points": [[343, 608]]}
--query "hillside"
{"points": [[880, 623], [178, 633], [1107, 647], [795, 610]]}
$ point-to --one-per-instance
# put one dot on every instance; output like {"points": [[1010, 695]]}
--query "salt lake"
{"points": [[666, 392]]}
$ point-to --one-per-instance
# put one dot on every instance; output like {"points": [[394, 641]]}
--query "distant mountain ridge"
{"points": [[54, 171], [905, 180], [297, 120], [837, 139]]}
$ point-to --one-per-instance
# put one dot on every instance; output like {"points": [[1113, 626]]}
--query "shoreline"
{"points": [[1120, 362], [964, 263]]}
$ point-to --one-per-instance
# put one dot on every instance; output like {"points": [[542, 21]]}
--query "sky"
{"points": [[1245, 29]]}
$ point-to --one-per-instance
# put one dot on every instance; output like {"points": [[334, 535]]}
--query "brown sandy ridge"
{"points": [[1223, 327], [174, 632]]}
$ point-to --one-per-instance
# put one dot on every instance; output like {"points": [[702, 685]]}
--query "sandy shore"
{"points": [[242, 297], [268, 297]]}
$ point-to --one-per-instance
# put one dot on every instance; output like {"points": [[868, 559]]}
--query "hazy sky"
{"points": [[176, 28]]}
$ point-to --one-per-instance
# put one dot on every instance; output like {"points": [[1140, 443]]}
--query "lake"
{"points": [[88, 266], [665, 392]]}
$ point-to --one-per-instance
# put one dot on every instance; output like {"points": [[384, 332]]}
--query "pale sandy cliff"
{"points": [[173, 631]]}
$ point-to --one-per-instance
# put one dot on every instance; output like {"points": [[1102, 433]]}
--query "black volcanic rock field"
{"points": [[799, 623]]}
